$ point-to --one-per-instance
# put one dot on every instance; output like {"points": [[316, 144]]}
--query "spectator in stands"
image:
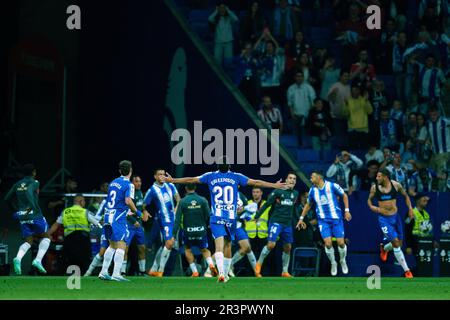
{"points": [[431, 78], [319, 123], [261, 44], [403, 76], [300, 96], [358, 108], [298, 46], [384, 46], [272, 66], [430, 13], [329, 75], [390, 132], [397, 113], [411, 125], [398, 11], [378, 100], [252, 24], [337, 95], [285, 21], [362, 71], [423, 145], [374, 154], [399, 171], [303, 64], [439, 133], [409, 154], [58, 203], [365, 177], [222, 20], [339, 171], [95, 202], [270, 114], [422, 181], [247, 74]]}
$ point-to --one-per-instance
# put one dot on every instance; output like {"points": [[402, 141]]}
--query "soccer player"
{"points": [[324, 195], [284, 204], [135, 227], [223, 186], [193, 214], [118, 206], [24, 198], [386, 191], [245, 211], [163, 194]]}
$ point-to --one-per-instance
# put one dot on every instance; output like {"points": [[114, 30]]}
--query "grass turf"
{"points": [[175, 288]]}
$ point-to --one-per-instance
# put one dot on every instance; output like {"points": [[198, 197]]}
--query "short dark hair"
{"points": [[291, 172], [223, 164], [125, 167], [191, 186], [28, 169], [372, 163], [318, 172], [134, 176], [158, 169], [385, 172], [341, 73]]}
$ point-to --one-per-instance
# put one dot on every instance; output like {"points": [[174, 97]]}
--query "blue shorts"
{"points": [[279, 230], [201, 243], [391, 227], [117, 231], [138, 233], [223, 228], [166, 230], [331, 228], [33, 227], [241, 234]]}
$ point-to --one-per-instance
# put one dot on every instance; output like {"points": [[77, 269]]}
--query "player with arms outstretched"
{"points": [[324, 195], [386, 191], [118, 206], [223, 186]]}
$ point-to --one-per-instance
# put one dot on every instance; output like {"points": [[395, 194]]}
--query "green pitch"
{"points": [[174, 288]]}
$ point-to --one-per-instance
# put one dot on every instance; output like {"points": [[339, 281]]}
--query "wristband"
{"points": [[138, 213], [347, 210], [301, 218]]}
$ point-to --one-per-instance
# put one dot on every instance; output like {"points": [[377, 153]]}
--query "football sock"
{"points": [[107, 258], [193, 267], [155, 265], [164, 257], [118, 261], [252, 259], [285, 258], [342, 253], [23, 250], [123, 269], [219, 262], [209, 261], [388, 247], [330, 254], [43, 246], [141, 265], [96, 262], [264, 252], [226, 265], [237, 256], [401, 258]]}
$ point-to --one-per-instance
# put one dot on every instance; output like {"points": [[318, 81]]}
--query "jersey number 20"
{"points": [[223, 195]]}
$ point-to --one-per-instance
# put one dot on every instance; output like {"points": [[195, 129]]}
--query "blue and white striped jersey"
{"points": [[327, 205], [439, 133], [164, 200], [223, 188], [116, 209]]}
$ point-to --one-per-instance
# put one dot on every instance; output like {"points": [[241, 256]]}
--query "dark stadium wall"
{"points": [[142, 77]]}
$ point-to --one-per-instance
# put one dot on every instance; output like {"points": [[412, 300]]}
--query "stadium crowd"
{"points": [[313, 69]]}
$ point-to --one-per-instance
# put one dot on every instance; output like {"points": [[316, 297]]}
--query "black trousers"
{"points": [[77, 250]]}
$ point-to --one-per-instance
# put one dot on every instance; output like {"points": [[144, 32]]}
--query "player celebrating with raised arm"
{"points": [[118, 206], [163, 193], [325, 196], [223, 186], [385, 191], [283, 204]]}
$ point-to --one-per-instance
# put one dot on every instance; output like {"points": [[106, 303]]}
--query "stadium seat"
{"points": [[202, 15], [302, 253], [320, 37], [288, 140]]}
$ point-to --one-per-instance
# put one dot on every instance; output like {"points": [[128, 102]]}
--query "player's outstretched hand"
{"points": [[347, 216], [281, 185], [300, 225], [145, 216], [169, 178]]}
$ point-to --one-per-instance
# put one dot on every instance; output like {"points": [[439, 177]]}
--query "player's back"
{"points": [[327, 204], [119, 189], [26, 191], [223, 187]]}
